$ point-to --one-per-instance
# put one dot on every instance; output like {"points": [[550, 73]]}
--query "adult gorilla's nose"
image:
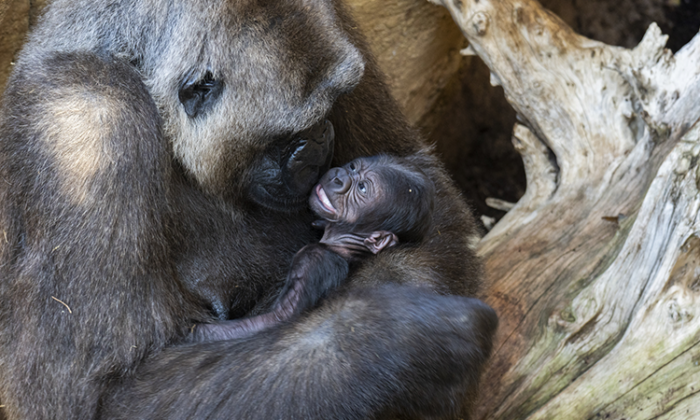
{"points": [[310, 158]]}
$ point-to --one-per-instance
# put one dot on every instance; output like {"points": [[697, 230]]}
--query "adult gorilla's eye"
{"points": [[198, 95], [362, 187]]}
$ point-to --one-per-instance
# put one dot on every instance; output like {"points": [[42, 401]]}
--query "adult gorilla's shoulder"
{"points": [[156, 158]]}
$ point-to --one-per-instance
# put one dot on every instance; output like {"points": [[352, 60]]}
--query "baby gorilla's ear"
{"points": [[376, 241]]}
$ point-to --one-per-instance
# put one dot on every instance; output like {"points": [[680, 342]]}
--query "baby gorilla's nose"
{"points": [[338, 181]]}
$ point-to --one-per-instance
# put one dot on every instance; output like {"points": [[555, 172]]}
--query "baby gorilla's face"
{"points": [[348, 193]]}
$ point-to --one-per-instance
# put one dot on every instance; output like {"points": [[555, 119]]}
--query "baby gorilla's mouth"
{"points": [[323, 199]]}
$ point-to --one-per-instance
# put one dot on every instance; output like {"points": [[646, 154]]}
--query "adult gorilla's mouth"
{"points": [[283, 178]]}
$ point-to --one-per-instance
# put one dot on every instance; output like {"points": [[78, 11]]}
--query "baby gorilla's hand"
{"points": [[315, 271]]}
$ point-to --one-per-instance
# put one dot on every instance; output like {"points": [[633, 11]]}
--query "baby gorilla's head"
{"points": [[376, 201]]}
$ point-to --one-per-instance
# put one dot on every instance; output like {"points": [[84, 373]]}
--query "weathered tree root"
{"points": [[595, 272]]}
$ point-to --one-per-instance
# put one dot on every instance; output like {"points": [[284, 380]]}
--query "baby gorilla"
{"points": [[371, 204], [365, 206]]}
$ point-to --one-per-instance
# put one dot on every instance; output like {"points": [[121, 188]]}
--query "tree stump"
{"points": [[595, 272]]}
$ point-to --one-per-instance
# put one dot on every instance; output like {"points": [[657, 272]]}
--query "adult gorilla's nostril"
{"points": [[310, 158]]}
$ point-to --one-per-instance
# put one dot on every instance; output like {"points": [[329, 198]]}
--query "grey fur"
{"points": [[137, 217]]}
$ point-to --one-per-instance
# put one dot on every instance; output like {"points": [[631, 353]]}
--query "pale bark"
{"points": [[595, 272]]}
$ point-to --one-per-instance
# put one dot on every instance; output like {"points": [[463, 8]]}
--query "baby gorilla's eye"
{"points": [[362, 187], [352, 167]]}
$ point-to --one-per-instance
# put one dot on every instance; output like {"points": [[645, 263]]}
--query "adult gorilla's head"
{"points": [[245, 106]]}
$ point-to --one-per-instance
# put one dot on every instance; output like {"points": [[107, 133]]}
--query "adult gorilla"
{"points": [[155, 159]]}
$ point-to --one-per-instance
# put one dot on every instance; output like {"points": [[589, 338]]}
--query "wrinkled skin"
{"points": [[344, 194], [156, 157], [371, 198]]}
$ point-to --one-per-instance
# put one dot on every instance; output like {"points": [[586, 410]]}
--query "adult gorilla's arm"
{"points": [[386, 350], [368, 121], [86, 285]]}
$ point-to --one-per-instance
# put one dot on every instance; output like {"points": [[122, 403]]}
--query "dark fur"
{"points": [[332, 365], [408, 209], [115, 205], [404, 208], [316, 271]]}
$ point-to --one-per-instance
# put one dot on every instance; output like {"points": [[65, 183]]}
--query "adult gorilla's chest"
{"points": [[233, 261], [232, 251]]}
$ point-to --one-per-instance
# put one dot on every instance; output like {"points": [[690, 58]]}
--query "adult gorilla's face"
{"points": [[246, 108]]}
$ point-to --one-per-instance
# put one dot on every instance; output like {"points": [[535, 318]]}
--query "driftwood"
{"points": [[595, 272]]}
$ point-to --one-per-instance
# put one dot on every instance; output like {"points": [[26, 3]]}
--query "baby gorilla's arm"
{"points": [[315, 271]]}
